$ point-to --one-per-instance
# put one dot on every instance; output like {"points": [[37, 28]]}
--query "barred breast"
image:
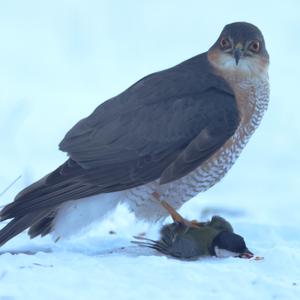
{"points": [[252, 97]]}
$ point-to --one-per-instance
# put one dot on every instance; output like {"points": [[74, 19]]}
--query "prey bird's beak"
{"points": [[237, 53], [246, 254]]}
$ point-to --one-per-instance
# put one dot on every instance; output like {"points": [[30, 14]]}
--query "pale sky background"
{"points": [[60, 59]]}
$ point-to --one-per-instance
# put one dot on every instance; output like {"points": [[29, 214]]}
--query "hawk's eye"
{"points": [[225, 43], [255, 46]]}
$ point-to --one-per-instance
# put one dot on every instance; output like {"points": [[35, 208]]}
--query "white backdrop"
{"points": [[59, 59]]}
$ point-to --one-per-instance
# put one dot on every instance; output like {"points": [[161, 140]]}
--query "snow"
{"points": [[58, 61]]}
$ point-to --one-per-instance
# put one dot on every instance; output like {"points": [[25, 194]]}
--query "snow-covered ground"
{"points": [[58, 61]]}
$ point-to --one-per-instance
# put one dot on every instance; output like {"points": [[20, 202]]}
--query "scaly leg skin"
{"points": [[174, 214]]}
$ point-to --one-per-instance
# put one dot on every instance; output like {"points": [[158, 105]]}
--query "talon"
{"points": [[197, 224], [174, 214], [177, 217]]}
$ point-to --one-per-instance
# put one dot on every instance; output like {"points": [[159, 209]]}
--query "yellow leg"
{"points": [[173, 213]]}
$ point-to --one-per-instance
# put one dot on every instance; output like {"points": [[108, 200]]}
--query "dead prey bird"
{"points": [[185, 239]]}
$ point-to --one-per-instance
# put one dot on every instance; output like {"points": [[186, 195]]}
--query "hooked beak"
{"points": [[246, 254], [237, 53]]}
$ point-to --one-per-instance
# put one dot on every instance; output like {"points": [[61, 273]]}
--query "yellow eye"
{"points": [[255, 46], [224, 43]]}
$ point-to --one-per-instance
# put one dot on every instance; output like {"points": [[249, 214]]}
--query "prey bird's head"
{"points": [[228, 244], [240, 51]]}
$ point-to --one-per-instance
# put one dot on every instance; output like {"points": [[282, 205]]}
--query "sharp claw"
{"points": [[174, 214]]}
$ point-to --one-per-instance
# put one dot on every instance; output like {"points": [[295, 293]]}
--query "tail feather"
{"points": [[17, 225], [48, 200], [36, 206], [43, 226]]}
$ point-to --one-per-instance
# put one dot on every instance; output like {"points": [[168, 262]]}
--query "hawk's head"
{"points": [[240, 51]]}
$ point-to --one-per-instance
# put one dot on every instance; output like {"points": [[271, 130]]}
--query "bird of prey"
{"points": [[176, 133]]}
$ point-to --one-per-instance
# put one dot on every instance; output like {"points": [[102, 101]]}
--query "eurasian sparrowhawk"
{"points": [[175, 132]]}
